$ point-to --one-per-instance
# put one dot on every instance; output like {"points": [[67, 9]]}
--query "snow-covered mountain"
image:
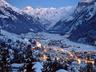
{"points": [[85, 28], [16, 21], [49, 16], [29, 19], [81, 25]]}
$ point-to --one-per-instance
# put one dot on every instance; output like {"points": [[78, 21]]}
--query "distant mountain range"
{"points": [[49, 16]]}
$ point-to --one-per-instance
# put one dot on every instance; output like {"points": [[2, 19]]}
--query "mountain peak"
{"points": [[28, 9], [85, 3], [87, 0], [2, 2]]}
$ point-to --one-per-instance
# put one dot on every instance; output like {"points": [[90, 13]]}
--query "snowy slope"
{"points": [[14, 20], [45, 38], [6, 4], [85, 26], [51, 15], [6, 35], [80, 25]]}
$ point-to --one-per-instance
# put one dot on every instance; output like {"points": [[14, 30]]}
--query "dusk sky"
{"points": [[43, 3]]}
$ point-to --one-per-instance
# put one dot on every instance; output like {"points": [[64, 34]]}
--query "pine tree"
{"points": [[29, 67], [4, 55]]}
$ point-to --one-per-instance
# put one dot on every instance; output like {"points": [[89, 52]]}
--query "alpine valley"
{"points": [[48, 39], [76, 23]]}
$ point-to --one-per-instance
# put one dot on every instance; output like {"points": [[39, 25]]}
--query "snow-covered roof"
{"points": [[61, 70], [17, 65]]}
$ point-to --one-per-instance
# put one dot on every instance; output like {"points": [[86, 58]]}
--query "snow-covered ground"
{"points": [[79, 47], [8, 35], [45, 38]]}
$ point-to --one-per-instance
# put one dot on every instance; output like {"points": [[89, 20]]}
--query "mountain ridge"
{"points": [[51, 15], [14, 20]]}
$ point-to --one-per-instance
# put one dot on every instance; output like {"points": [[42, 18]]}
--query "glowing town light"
{"points": [[38, 44], [79, 61], [89, 61], [44, 57], [70, 54], [45, 50]]}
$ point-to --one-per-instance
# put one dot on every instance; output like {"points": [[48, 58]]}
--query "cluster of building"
{"points": [[20, 56]]}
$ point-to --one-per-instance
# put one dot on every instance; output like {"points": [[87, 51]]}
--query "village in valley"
{"points": [[55, 36], [35, 55]]}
